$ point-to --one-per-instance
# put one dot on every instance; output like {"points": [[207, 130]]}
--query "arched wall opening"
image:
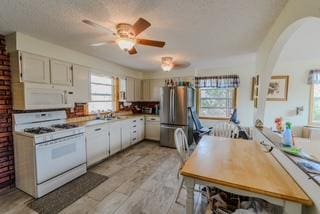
{"points": [[268, 66]]}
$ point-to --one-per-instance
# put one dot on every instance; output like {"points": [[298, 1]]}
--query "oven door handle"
{"points": [[60, 140]]}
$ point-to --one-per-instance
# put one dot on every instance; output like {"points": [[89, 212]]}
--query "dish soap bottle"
{"points": [[287, 135]]}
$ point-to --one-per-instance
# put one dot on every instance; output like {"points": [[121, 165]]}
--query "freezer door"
{"points": [[167, 135], [165, 105]]}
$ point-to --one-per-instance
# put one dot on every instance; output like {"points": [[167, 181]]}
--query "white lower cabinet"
{"points": [[152, 128], [109, 138], [140, 129], [115, 137], [125, 134], [97, 142]]}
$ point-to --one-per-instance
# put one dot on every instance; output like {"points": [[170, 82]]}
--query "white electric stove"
{"points": [[48, 151]]}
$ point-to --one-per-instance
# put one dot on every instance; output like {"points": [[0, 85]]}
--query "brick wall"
{"points": [[6, 146]]}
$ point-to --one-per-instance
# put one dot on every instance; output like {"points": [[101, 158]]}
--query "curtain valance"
{"points": [[225, 81], [314, 77]]}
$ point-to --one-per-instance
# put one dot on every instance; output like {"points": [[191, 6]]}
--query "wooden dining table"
{"points": [[243, 167]]}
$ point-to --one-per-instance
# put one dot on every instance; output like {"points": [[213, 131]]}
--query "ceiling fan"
{"points": [[167, 64], [126, 35]]}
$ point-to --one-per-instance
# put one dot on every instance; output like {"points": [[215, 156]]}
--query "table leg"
{"points": [[189, 182], [292, 208]]}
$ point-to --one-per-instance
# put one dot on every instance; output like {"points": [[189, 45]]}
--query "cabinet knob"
{"points": [[98, 129]]}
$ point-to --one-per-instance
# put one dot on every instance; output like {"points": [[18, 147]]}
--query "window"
{"points": [[216, 102], [102, 91], [315, 104]]}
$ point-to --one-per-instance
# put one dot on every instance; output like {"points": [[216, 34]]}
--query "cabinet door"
{"points": [[125, 134], [152, 131], [141, 129], [130, 89], [61, 72], [81, 83], [145, 90], [155, 86], [137, 90], [115, 137], [34, 68], [97, 142]]}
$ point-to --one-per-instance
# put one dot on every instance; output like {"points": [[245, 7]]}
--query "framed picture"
{"points": [[255, 90], [278, 88]]}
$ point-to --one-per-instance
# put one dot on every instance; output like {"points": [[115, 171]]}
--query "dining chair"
{"points": [[225, 129], [181, 142]]}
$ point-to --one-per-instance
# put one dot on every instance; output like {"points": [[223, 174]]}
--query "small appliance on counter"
{"points": [[146, 110]]}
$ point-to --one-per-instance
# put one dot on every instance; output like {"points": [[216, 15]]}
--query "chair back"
{"points": [[225, 129], [195, 119], [181, 142]]}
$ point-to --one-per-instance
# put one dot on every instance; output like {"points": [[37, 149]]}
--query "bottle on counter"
{"points": [[287, 135]]}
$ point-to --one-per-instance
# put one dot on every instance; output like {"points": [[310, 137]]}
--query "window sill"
{"points": [[214, 118]]}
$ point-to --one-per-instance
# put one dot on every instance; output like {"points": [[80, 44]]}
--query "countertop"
{"points": [[87, 123]]}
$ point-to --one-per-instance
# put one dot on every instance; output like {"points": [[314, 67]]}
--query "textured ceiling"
{"points": [[198, 31]]}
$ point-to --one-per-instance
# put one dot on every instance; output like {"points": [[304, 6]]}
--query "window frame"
{"points": [[311, 105], [112, 95], [198, 103]]}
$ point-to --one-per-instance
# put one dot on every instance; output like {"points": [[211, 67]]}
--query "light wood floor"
{"points": [[142, 179]]}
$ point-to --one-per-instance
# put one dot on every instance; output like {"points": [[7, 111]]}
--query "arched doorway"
{"points": [[267, 65]]}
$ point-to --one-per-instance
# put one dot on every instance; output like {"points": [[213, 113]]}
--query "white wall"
{"points": [[22, 42], [298, 93], [245, 72]]}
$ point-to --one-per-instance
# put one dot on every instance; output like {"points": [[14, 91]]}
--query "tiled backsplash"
{"points": [[140, 105]]}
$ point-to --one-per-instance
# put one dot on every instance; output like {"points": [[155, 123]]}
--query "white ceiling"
{"points": [[198, 31], [304, 44]]}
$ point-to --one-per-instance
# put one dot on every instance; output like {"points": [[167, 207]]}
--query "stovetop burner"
{"points": [[39, 130], [65, 126]]}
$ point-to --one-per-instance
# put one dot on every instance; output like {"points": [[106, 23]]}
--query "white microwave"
{"points": [[35, 96]]}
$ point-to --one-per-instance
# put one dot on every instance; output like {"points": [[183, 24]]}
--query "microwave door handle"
{"points": [[66, 97]]}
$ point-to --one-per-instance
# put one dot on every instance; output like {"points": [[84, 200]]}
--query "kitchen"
{"points": [[91, 116]]}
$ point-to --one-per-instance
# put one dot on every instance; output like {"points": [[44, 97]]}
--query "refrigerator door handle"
{"points": [[173, 105], [170, 106]]}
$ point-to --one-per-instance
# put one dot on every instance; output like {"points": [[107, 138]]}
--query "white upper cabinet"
{"points": [[61, 72], [145, 90], [155, 86], [137, 90], [81, 83], [130, 89], [33, 68]]}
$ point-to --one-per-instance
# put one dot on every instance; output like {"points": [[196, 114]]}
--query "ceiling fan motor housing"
{"points": [[125, 30]]}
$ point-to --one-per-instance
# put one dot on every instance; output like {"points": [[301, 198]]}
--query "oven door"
{"points": [[58, 156]]}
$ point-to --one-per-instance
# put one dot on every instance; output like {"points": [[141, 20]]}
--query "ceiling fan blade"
{"points": [[153, 43], [98, 44], [132, 51], [95, 25], [181, 65], [140, 25]]}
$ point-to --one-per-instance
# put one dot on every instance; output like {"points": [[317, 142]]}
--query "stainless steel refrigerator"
{"points": [[175, 113]]}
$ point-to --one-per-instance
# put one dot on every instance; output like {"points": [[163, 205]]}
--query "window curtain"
{"points": [[314, 77], [225, 81]]}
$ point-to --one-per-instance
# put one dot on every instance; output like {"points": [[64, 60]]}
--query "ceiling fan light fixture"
{"points": [[166, 63], [125, 44]]}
